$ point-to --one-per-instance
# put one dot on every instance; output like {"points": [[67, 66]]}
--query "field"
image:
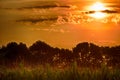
{"points": [[40, 61], [69, 73]]}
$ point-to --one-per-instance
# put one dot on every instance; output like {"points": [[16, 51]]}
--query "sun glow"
{"points": [[98, 7], [98, 15]]}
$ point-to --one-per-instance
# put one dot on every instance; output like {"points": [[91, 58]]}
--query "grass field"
{"points": [[49, 73]]}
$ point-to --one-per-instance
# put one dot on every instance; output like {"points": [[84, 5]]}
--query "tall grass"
{"points": [[49, 73]]}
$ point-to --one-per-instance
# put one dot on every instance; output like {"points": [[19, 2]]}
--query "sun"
{"points": [[98, 15], [98, 7]]}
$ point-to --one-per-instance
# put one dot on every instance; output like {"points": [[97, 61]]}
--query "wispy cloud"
{"points": [[44, 7], [49, 30], [36, 20], [32, 4], [70, 19], [103, 11]]}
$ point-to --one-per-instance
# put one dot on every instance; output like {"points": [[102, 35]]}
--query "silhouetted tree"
{"points": [[88, 54], [95, 55], [80, 53], [114, 54], [66, 56], [85, 54], [42, 52], [23, 52], [2, 55], [12, 51]]}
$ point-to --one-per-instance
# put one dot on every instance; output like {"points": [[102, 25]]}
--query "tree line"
{"points": [[40, 53]]}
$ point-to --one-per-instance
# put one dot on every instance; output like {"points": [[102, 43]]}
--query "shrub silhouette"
{"points": [[85, 54]]}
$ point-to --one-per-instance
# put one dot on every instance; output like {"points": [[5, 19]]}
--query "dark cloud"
{"points": [[45, 7], [41, 7], [103, 11], [32, 20], [110, 11]]}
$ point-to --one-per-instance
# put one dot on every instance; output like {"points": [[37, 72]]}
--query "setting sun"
{"points": [[98, 15], [98, 7]]}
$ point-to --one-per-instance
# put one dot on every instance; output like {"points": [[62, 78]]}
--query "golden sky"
{"points": [[60, 23]]}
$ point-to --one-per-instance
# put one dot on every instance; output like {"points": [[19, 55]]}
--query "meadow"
{"points": [[47, 72], [40, 61]]}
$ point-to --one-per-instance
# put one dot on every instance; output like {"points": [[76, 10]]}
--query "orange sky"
{"points": [[63, 25]]}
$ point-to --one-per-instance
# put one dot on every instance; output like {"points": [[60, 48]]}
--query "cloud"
{"points": [[109, 11], [103, 11], [36, 20], [44, 7], [49, 30], [69, 19]]}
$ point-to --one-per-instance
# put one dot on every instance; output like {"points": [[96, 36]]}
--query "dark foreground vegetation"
{"points": [[85, 54], [86, 61], [70, 73]]}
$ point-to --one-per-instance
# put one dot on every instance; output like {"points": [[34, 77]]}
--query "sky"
{"points": [[60, 23]]}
